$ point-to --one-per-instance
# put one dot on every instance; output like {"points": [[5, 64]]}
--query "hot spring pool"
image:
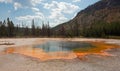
{"points": [[56, 46], [61, 49]]}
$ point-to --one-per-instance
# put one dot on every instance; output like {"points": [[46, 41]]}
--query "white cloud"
{"points": [[49, 6], [76, 0], [22, 4], [58, 10], [68, 7], [62, 6], [38, 15], [6, 1], [28, 17], [17, 5], [35, 2], [35, 9], [58, 17]]}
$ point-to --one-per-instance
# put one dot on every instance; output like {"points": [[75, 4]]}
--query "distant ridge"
{"points": [[103, 10]]}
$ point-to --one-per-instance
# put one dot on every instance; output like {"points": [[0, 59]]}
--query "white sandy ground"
{"points": [[17, 62]]}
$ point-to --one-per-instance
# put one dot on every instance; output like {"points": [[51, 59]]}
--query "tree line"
{"points": [[9, 29], [103, 29], [96, 29]]}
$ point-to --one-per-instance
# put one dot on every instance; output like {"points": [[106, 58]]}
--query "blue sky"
{"points": [[54, 11]]}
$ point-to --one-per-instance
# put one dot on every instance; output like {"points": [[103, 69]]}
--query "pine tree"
{"points": [[33, 28], [3, 30], [10, 28], [26, 31], [48, 30]]}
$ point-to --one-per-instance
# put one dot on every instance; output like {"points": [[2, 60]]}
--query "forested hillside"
{"points": [[97, 20]]}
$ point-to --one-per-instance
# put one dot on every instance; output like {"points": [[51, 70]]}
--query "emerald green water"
{"points": [[55, 46]]}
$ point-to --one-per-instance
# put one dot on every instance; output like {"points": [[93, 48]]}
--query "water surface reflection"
{"points": [[55, 46]]}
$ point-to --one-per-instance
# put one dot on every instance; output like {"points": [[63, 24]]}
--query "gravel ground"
{"points": [[17, 62]]}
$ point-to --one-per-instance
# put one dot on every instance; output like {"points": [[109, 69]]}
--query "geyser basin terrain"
{"points": [[62, 49]]}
